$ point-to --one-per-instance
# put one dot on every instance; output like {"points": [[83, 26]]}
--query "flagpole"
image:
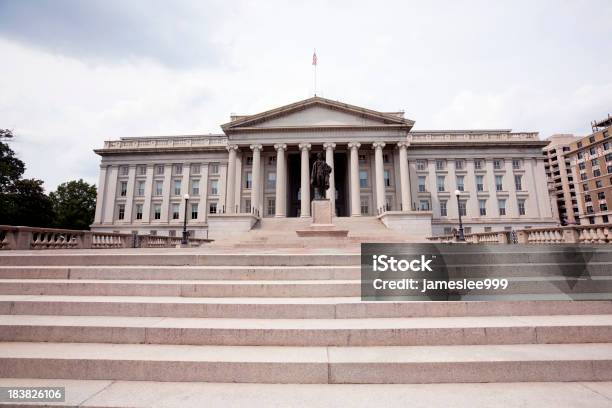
{"points": [[314, 64]]}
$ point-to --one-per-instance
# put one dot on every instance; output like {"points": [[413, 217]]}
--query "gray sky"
{"points": [[76, 73]]}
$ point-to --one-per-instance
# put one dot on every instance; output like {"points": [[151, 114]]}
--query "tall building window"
{"points": [[497, 164], [365, 207], [601, 195], [141, 170], [362, 158], [582, 166], [212, 207], [422, 184], [479, 183], [195, 168], [175, 211], [214, 168], [502, 207], [424, 205], [440, 183], [443, 212], [177, 168], [363, 178], [194, 211], [518, 182], [462, 209], [499, 186], [387, 178], [159, 187], [594, 162], [214, 187], [123, 188], [121, 211], [271, 180], [459, 164], [159, 169], [421, 165], [386, 158], [195, 187], [139, 211], [271, 206], [249, 160], [482, 205], [124, 170], [516, 164], [140, 187], [440, 164], [598, 184], [596, 173], [603, 207], [157, 211], [460, 185], [272, 160], [177, 187], [521, 207], [248, 180], [478, 164]]}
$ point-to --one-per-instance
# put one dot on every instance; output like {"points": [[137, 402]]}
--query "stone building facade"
{"points": [[259, 167]]}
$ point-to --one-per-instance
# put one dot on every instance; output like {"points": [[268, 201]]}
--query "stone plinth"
{"points": [[407, 221], [322, 225]]}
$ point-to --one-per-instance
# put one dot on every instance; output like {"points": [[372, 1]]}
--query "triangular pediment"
{"points": [[316, 112]]}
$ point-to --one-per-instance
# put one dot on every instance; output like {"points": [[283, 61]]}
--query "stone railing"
{"points": [[12, 237], [479, 136], [494, 237], [166, 142]]}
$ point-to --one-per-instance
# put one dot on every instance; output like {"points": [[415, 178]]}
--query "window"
{"points": [[462, 209], [487, 229], [605, 134], [159, 169], [214, 168], [580, 155], [609, 169], [594, 162], [141, 170], [440, 164], [140, 187], [214, 187], [516, 164], [194, 211], [440, 183], [271, 206], [175, 211], [521, 207], [123, 188], [598, 184], [363, 178], [362, 158], [159, 187], [124, 170], [596, 173], [518, 182], [195, 187], [589, 209], [121, 214], [386, 158], [460, 185], [479, 183], [424, 205], [443, 212], [447, 230], [601, 195], [421, 165], [502, 207], [177, 187], [467, 230], [177, 169], [605, 219], [478, 164], [271, 160], [587, 198], [249, 160], [156, 211], [172, 233], [248, 180], [195, 169], [579, 144], [582, 166], [139, 211], [592, 151], [364, 204], [606, 146], [592, 139], [271, 180], [583, 176], [387, 177], [609, 157], [482, 205], [459, 164], [422, 184], [499, 186], [497, 164], [212, 208]]}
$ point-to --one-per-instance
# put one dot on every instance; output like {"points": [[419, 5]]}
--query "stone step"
{"points": [[309, 332], [286, 308], [338, 365], [275, 288]]}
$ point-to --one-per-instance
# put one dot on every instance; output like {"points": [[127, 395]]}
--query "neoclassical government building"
{"points": [[260, 167]]}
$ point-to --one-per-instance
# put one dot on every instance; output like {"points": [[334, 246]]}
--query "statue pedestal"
{"points": [[322, 225]]}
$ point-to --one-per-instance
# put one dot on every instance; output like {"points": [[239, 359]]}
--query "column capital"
{"points": [[354, 145], [378, 145], [280, 146], [329, 146], [256, 147], [403, 145], [304, 146], [232, 147]]}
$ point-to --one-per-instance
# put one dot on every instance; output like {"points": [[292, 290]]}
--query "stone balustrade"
{"points": [[493, 237], [166, 142], [13, 237]]}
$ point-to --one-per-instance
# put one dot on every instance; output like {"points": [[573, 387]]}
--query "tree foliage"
{"points": [[11, 168], [74, 204], [25, 203]]}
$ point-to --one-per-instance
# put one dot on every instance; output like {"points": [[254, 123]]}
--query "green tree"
{"points": [[11, 168], [25, 203], [74, 204]]}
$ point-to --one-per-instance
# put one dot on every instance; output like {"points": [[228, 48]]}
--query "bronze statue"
{"points": [[319, 177]]}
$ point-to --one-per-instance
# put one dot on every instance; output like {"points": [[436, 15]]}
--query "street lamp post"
{"points": [[185, 239], [461, 237]]}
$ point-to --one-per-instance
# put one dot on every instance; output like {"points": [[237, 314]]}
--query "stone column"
{"points": [[329, 159], [129, 202], [148, 194], [380, 178], [230, 200], [281, 182], [355, 203], [101, 195], [404, 177], [305, 180], [255, 179]]}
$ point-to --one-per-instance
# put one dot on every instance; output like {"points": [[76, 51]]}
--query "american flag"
{"points": [[314, 58]]}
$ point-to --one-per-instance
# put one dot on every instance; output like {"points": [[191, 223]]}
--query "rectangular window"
{"points": [[592, 139], [214, 187], [479, 183], [387, 177], [478, 164], [462, 209], [583, 176], [601, 195], [271, 160], [603, 207], [598, 184], [521, 207], [123, 170], [421, 165], [422, 184], [582, 166], [386, 158], [195, 168], [177, 169], [502, 207], [121, 211], [156, 211], [499, 185], [482, 205], [592, 151], [212, 208], [249, 160], [580, 155], [424, 205], [440, 164], [587, 198], [140, 187], [141, 170], [606, 146], [159, 187], [123, 188], [518, 182], [589, 209], [248, 180], [365, 207], [271, 183], [159, 169], [443, 212], [194, 211], [596, 173], [594, 162], [362, 158], [497, 164], [177, 187], [516, 164], [460, 185], [175, 211], [440, 183], [139, 211], [247, 205], [195, 187], [271, 206], [214, 168], [459, 164], [363, 178]]}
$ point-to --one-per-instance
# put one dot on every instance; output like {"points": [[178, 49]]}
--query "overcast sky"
{"points": [[76, 73]]}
